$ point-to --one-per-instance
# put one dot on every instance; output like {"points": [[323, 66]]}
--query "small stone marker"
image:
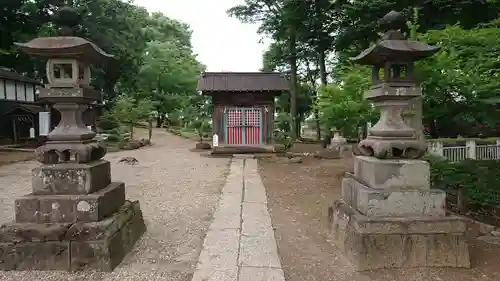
{"points": [[215, 140], [32, 133], [44, 123], [338, 142]]}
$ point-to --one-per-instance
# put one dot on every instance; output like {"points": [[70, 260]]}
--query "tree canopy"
{"points": [[312, 41], [154, 59]]}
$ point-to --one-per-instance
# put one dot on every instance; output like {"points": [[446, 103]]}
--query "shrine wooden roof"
{"points": [[14, 76], [20, 108], [243, 82]]}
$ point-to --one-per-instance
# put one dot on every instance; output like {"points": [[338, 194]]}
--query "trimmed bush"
{"points": [[477, 179]]}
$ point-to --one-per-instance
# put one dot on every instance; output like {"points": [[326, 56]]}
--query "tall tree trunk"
{"points": [[323, 78], [293, 80], [150, 128], [320, 6], [297, 126]]}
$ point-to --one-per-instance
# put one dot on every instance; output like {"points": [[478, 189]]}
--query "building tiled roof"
{"points": [[243, 82], [12, 75]]}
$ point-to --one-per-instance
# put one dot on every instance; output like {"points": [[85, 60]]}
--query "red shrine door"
{"points": [[244, 126]]}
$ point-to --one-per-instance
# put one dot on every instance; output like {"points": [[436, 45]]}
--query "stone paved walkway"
{"points": [[240, 244]]}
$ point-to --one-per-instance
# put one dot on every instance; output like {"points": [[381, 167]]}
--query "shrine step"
{"points": [[246, 149]]}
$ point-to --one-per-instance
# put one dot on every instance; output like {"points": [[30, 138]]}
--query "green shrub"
{"points": [[114, 138], [282, 130], [284, 138], [477, 178], [107, 122], [114, 131]]}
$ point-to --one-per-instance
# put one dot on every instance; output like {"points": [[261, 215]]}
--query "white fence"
{"points": [[470, 151]]}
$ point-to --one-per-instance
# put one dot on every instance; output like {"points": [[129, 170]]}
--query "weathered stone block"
{"points": [[385, 242], [32, 232], [203, 145], [97, 245], [102, 255], [101, 230], [394, 202], [71, 178], [70, 208], [52, 255], [392, 173], [328, 153], [107, 253]]}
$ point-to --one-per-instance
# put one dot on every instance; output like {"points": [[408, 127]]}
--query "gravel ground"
{"points": [[298, 199], [178, 191]]}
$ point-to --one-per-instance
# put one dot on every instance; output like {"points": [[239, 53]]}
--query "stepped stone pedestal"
{"points": [[389, 217], [76, 218]]}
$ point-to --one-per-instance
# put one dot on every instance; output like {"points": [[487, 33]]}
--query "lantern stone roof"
{"points": [[243, 82], [64, 47], [397, 50], [393, 46], [66, 44]]}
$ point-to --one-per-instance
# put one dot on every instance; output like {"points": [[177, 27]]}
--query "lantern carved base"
{"points": [[389, 217], [54, 152], [100, 245], [76, 218], [390, 242], [391, 148]]}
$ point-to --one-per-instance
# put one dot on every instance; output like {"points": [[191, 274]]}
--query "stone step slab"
{"points": [[70, 208], [71, 178]]}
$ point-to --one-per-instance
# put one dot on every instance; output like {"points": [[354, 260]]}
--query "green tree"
{"points": [[460, 77], [282, 20], [356, 21], [168, 76], [343, 107], [128, 111]]}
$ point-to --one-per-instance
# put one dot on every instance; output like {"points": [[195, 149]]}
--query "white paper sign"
{"points": [[215, 140], [44, 123], [32, 133]]}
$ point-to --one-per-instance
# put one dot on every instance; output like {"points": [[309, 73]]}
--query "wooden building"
{"points": [[243, 105], [18, 107]]}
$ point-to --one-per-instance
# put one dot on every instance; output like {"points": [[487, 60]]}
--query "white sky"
{"points": [[222, 43]]}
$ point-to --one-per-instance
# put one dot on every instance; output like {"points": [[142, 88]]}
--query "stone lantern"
{"points": [[76, 217], [388, 215], [68, 74], [393, 88]]}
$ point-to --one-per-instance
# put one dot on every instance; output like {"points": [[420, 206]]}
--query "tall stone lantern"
{"points": [[76, 217], [388, 215], [393, 88]]}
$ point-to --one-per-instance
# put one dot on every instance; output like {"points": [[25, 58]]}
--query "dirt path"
{"points": [[178, 191], [299, 196]]}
